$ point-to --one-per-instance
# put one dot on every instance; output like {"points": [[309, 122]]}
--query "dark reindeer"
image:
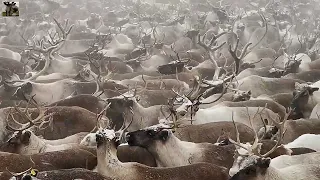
{"points": [[11, 8]]}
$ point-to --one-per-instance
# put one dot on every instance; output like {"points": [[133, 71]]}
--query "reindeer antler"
{"points": [[123, 128], [254, 149], [236, 58], [210, 50], [55, 46], [38, 121]]}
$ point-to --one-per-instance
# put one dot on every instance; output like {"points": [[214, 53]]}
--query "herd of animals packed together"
{"points": [[160, 90]]}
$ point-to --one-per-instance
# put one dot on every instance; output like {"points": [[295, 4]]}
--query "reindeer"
{"points": [[169, 151], [305, 98], [109, 165], [295, 128], [24, 141], [128, 106], [190, 111], [253, 165]]}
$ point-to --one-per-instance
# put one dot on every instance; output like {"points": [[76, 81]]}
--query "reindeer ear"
{"points": [[313, 89], [249, 92]]}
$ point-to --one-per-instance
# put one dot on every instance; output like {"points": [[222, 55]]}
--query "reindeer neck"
{"points": [[315, 98], [274, 174], [109, 164], [35, 146], [136, 108], [173, 152]]}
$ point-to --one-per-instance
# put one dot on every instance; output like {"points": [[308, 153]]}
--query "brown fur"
{"points": [[284, 99], [203, 171], [272, 105], [267, 145], [315, 64], [88, 102], [73, 158], [67, 121], [85, 87], [65, 174], [263, 72], [14, 66], [296, 128], [259, 85], [118, 67], [211, 132], [308, 76], [149, 98], [298, 151], [183, 76], [113, 86], [135, 154]]}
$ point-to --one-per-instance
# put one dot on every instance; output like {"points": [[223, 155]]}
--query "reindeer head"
{"points": [[147, 136], [23, 90], [251, 168], [292, 64], [124, 101], [18, 141], [241, 95], [23, 140], [109, 138], [301, 96], [276, 73], [249, 163], [171, 68]]}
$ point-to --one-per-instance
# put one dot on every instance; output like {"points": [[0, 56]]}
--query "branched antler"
{"points": [[39, 121], [48, 51], [211, 50], [236, 58]]}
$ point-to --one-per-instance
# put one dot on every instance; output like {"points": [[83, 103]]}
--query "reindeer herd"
{"points": [[160, 90]]}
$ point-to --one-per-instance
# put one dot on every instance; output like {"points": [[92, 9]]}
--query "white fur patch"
{"points": [[110, 134], [90, 139], [156, 127]]}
